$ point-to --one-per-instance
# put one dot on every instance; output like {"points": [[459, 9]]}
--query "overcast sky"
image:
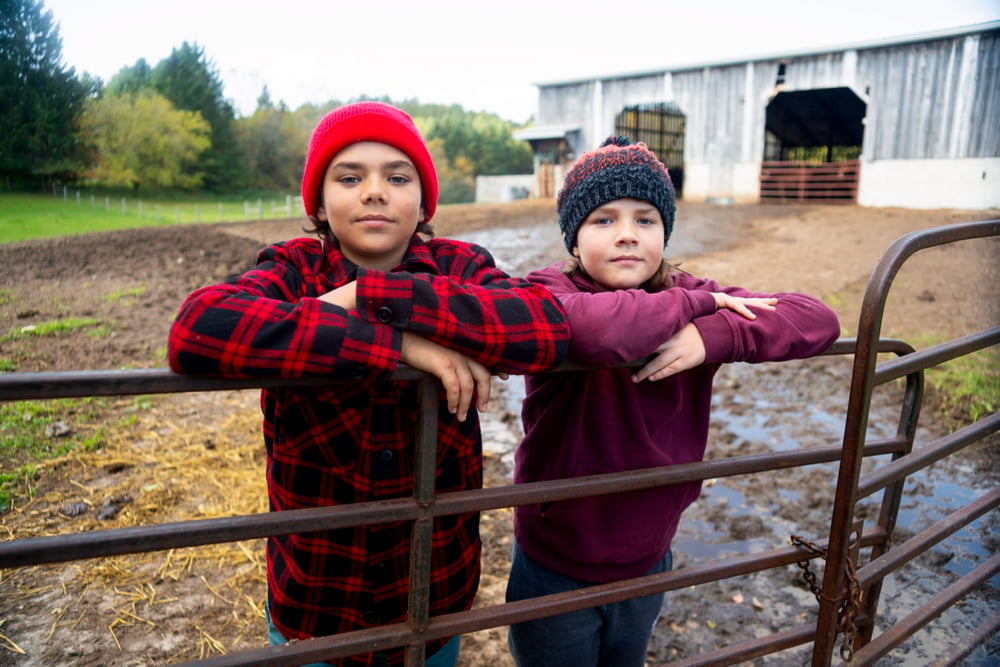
{"points": [[485, 56]]}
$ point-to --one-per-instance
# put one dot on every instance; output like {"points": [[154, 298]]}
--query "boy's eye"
{"points": [[646, 222], [603, 221], [348, 179], [398, 178]]}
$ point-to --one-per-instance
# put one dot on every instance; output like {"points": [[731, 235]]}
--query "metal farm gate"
{"points": [[859, 554]]}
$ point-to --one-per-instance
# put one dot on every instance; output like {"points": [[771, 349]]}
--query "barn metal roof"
{"points": [[545, 132], [778, 55]]}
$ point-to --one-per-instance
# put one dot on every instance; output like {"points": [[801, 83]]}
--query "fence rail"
{"points": [[827, 182], [179, 213], [847, 539]]}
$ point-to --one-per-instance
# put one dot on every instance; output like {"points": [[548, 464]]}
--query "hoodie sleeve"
{"points": [[800, 326], [615, 327]]}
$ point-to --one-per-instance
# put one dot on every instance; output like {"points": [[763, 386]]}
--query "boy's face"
{"points": [[371, 196], [620, 244]]}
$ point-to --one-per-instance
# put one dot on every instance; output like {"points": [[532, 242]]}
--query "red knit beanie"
{"points": [[366, 121]]}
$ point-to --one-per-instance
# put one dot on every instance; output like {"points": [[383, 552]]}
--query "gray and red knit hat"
{"points": [[366, 121], [618, 169]]}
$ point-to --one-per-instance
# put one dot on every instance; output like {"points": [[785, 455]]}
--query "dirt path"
{"points": [[172, 458]]}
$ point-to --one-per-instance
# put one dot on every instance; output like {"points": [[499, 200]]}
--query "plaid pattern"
{"points": [[353, 442]]}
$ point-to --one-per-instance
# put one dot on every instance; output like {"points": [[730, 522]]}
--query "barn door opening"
{"points": [[660, 126], [812, 146]]}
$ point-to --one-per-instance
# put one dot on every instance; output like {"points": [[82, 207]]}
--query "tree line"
{"points": [[169, 126]]}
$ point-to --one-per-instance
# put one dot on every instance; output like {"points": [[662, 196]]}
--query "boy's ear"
{"points": [[422, 215], [576, 251]]}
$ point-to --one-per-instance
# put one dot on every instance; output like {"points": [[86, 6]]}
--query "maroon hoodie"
{"points": [[586, 423]]}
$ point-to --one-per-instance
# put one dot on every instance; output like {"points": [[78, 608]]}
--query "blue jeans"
{"points": [[613, 635], [446, 656]]}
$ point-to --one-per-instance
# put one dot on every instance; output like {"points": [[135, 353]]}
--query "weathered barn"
{"points": [[911, 121]]}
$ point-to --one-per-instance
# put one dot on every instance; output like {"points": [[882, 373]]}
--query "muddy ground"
{"points": [[166, 459]]}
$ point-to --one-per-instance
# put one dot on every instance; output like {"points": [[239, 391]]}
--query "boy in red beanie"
{"points": [[369, 294]]}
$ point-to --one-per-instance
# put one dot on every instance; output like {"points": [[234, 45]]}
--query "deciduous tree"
{"points": [[143, 141]]}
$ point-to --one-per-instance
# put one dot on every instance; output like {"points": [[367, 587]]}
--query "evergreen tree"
{"points": [[40, 98], [131, 80], [192, 83]]}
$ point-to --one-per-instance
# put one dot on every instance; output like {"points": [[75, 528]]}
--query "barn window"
{"points": [[660, 126]]}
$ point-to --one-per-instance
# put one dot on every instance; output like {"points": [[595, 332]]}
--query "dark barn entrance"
{"points": [[812, 143]]}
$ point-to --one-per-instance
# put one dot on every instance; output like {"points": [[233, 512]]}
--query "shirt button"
{"points": [[371, 617], [386, 455], [384, 314]]}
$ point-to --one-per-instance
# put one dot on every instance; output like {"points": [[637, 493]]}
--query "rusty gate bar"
{"points": [[913, 547], [966, 645], [199, 532], [862, 383], [915, 461], [936, 354], [926, 613]]}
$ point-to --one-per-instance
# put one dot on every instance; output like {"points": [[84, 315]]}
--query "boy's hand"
{"points": [[738, 304], [685, 350], [345, 296], [461, 376]]}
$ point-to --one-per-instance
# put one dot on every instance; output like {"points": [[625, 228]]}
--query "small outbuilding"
{"points": [[912, 121]]}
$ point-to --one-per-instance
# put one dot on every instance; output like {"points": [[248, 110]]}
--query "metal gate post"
{"points": [[424, 468]]}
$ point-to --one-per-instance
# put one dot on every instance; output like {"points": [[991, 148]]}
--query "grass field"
{"points": [[24, 216]]}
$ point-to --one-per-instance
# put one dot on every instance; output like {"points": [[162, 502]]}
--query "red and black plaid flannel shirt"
{"points": [[353, 442]]}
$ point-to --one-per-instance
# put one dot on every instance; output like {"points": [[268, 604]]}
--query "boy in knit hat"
{"points": [[369, 294], [625, 302]]}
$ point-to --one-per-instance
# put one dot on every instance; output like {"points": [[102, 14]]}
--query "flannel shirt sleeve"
{"points": [[509, 325], [269, 322]]}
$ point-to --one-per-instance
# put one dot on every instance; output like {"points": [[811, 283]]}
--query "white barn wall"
{"points": [[972, 183]]}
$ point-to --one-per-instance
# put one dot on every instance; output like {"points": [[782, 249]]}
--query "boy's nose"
{"points": [[373, 192], [625, 235]]}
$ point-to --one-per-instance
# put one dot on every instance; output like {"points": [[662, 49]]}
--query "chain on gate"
{"points": [[847, 611]]}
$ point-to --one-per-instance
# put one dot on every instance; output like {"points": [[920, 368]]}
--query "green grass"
{"points": [[31, 216], [26, 438], [129, 294], [49, 328], [969, 384]]}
